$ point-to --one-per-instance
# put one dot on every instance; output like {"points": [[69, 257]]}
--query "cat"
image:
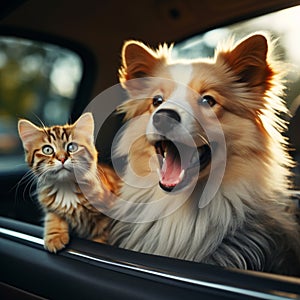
{"points": [[71, 187]]}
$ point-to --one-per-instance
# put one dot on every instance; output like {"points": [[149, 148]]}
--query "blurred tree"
{"points": [[24, 77], [30, 73]]}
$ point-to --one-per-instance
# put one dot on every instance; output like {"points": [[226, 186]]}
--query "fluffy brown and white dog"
{"points": [[207, 178]]}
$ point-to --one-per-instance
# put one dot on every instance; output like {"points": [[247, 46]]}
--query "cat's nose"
{"points": [[62, 158]]}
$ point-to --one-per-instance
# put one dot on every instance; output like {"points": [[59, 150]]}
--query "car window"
{"points": [[38, 81], [283, 26]]}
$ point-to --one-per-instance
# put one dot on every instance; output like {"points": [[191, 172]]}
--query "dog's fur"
{"points": [[249, 222]]}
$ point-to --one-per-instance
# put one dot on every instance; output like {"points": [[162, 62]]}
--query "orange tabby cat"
{"points": [[71, 187]]}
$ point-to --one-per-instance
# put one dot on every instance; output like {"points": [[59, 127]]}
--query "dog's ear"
{"points": [[248, 60], [138, 65], [138, 60]]}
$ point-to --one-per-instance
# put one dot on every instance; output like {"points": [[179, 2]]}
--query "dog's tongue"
{"points": [[171, 167]]}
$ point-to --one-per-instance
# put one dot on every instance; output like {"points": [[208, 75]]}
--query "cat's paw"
{"points": [[56, 241]]}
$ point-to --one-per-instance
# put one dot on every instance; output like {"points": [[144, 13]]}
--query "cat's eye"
{"points": [[157, 100], [47, 150], [207, 99], [72, 147]]}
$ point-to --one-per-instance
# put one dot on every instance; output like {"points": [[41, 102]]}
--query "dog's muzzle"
{"points": [[178, 161]]}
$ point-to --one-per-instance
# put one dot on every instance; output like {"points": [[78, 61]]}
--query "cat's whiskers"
{"points": [[80, 162], [87, 172], [46, 177], [30, 179], [28, 173], [81, 167]]}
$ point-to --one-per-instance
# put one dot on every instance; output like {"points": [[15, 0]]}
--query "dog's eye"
{"points": [[157, 100], [207, 99]]}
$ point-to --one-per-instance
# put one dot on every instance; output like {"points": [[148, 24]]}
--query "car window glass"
{"points": [[38, 81]]}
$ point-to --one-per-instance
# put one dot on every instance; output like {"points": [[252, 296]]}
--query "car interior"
{"points": [[59, 57]]}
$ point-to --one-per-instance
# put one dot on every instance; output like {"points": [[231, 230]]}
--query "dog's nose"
{"points": [[165, 120]]}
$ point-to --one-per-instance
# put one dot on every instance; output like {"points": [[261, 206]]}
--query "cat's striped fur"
{"points": [[72, 188]]}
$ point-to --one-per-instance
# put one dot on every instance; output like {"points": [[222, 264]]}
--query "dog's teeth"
{"points": [[181, 175], [194, 158], [164, 165], [159, 174]]}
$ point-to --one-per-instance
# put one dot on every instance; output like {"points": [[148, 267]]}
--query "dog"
{"points": [[207, 176]]}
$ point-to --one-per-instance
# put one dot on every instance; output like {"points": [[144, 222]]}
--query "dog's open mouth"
{"points": [[178, 162]]}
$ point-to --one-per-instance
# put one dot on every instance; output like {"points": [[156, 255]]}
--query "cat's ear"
{"points": [[28, 133], [85, 125]]}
